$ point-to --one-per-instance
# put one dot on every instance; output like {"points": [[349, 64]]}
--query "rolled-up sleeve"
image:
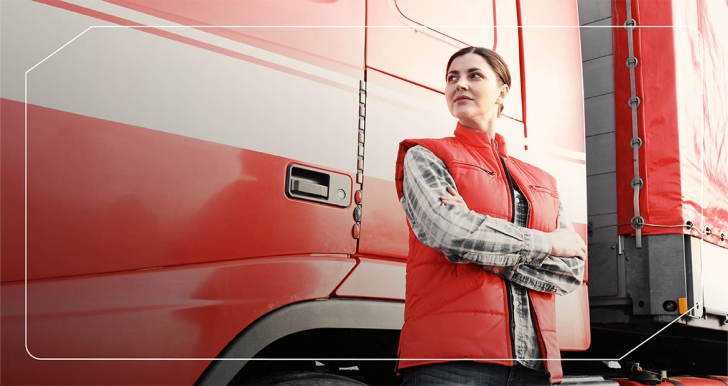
{"points": [[556, 275]]}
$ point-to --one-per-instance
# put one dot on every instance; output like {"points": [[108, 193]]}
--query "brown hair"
{"points": [[496, 62]]}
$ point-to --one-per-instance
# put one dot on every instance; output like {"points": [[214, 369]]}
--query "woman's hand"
{"points": [[453, 198], [567, 243]]}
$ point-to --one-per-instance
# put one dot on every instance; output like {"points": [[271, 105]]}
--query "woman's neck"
{"points": [[483, 125]]}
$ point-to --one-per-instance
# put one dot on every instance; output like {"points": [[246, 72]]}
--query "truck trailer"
{"points": [[203, 192]]}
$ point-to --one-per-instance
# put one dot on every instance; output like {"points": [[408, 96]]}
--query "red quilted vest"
{"points": [[457, 311]]}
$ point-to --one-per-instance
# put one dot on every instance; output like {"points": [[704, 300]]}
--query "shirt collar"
{"points": [[477, 138]]}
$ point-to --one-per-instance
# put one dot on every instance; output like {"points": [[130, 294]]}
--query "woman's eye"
{"points": [[476, 75], [452, 78]]}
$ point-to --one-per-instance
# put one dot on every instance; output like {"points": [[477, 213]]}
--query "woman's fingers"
{"points": [[454, 198], [460, 204], [451, 200], [567, 243], [454, 194]]}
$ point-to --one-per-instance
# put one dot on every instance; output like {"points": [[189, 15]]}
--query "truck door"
{"points": [[408, 45]]}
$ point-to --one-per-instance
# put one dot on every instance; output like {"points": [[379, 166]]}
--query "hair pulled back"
{"points": [[496, 62]]}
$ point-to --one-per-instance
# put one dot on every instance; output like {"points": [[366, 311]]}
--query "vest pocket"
{"points": [[460, 164], [546, 190]]}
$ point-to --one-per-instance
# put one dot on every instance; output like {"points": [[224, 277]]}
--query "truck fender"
{"points": [[309, 315]]}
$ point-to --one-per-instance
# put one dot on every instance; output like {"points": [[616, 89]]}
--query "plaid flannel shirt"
{"points": [[511, 251]]}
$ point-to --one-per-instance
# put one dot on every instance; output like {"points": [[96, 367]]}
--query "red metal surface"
{"points": [[384, 230], [191, 311], [374, 278], [12, 191], [682, 117], [108, 197]]}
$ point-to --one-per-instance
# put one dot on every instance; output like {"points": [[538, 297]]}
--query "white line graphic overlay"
{"points": [[575, 155]]}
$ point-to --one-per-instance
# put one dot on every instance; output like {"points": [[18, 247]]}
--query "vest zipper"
{"points": [[511, 321], [539, 335], [510, 183], [511, 311], [510, 186]]}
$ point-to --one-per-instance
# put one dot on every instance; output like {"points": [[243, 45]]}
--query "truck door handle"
{"points": [[306, 186], [305, 183]]}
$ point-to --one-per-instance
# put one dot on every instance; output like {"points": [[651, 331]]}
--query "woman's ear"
{"points": [[501, 96], [504, 91]]}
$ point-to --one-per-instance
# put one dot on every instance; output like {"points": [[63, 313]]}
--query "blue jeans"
{"points": [[472, 373]]}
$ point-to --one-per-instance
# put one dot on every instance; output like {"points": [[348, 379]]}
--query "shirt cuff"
{"points": [[536, 247], [493, 259]]}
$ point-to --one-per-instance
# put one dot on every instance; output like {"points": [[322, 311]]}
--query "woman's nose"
{"points": [[461, 85]]}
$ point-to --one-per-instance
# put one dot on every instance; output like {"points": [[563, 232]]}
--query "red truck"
{"points": [[202, 192]]}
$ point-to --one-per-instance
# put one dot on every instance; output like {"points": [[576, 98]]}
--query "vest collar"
{"points": [[480, 139]]}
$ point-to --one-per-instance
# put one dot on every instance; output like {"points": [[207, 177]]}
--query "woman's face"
{"points": [[473, 90]]}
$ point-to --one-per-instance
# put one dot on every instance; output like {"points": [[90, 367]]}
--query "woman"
{"points": [[489, 247]]}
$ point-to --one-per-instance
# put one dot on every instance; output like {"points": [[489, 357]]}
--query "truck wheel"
{"points": [[305, 378]]}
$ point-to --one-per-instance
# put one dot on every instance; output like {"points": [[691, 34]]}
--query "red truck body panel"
{"points": [[171, 314], [108, 197]]}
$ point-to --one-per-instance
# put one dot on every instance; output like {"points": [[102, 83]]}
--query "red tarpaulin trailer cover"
{"points": [[681, 80]]}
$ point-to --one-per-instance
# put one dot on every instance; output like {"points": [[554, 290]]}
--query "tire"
{"points": [[305, 378]]}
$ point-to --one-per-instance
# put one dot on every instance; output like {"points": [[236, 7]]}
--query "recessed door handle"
{"points": [[311, 184], [301, 185]]}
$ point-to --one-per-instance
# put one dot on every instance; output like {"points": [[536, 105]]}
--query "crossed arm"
{"points": [[520, 255]]}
